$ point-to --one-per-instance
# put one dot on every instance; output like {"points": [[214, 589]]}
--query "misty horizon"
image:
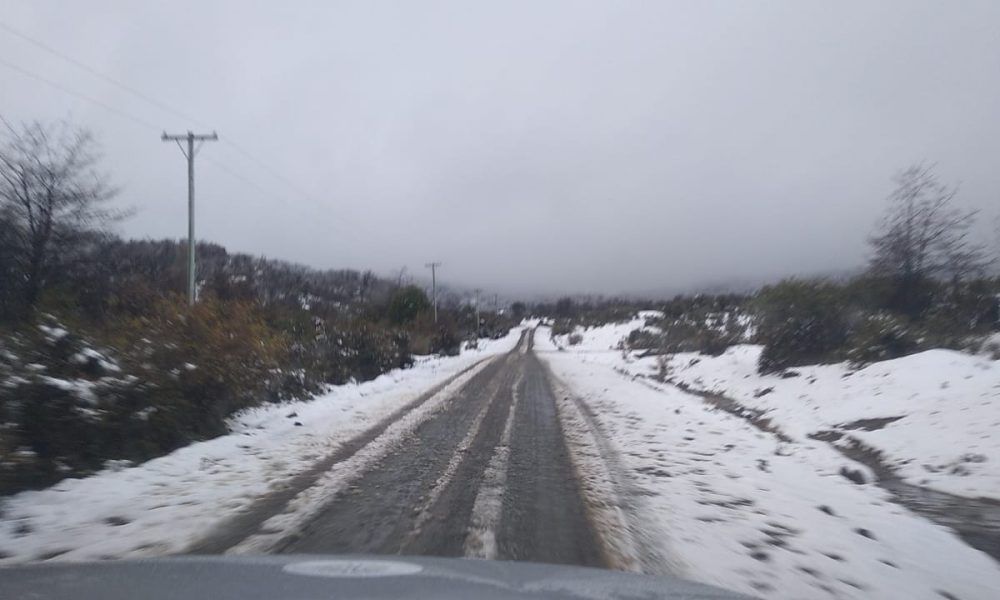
{"points": [[561, 148]]}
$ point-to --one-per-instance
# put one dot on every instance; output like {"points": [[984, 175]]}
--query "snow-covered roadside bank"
{"points": [[741, 510], [164, 505], [932, 415]]}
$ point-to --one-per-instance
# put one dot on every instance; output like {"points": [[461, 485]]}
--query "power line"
{"points": [[125, 115], [269, 169], [97, 73], [65, 89], [149, 125], [10, 127], [339, 228], [153, 101], [122, 114], [236, 175]]}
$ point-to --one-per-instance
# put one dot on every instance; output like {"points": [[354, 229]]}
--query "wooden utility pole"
{"points": [[478, 291], [434, 287], [189, 154]]}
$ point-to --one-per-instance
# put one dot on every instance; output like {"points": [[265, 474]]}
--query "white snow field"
{"points": [[166, 504], [726, 503], [947, 406]]}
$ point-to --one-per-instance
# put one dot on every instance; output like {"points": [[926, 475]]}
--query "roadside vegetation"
{"points": [[102, 360], [928, 285]]}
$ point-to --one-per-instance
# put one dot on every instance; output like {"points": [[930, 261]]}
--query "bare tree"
{"points": [[8, 271], [923, 236], [367, 282], [401, 277], [52, 198], [996, 243]]}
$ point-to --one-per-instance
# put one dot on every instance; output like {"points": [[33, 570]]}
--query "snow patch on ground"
{"points": [[613, 503], [748, 512], [948, 404], [166, 504], [599, 339]]}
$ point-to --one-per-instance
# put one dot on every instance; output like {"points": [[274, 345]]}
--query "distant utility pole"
{"points": [[477, 312], [434, 286], [189, 155]]}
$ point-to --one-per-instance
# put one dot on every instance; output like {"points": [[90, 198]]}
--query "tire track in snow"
{"points": [[449, 473], [481, 541], [630, 544], [234, 530], [281, 528]]}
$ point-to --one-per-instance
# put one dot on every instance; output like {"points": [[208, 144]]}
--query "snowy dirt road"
{"points": [[543, 452], [483, 472]]}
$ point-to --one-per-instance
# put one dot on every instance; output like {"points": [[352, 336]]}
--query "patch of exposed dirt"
{"points": [[753, 416], [873, 424]]}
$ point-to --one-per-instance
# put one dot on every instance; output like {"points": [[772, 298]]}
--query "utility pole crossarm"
{"points": [[200, 137], [189, 154]]}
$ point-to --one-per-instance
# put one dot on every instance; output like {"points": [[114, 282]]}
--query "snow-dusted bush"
{"points": [[882, 336], [697, 334], [702, 323], [446, 341], [800, 322], [59, 394], [562, 327], [371, 350], [406, 304], [68, 405]]}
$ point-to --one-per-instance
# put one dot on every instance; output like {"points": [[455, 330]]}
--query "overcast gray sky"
{"points": [[530, 146]]}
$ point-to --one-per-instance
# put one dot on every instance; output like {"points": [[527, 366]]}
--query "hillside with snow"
{"points": [[745, 496]]}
